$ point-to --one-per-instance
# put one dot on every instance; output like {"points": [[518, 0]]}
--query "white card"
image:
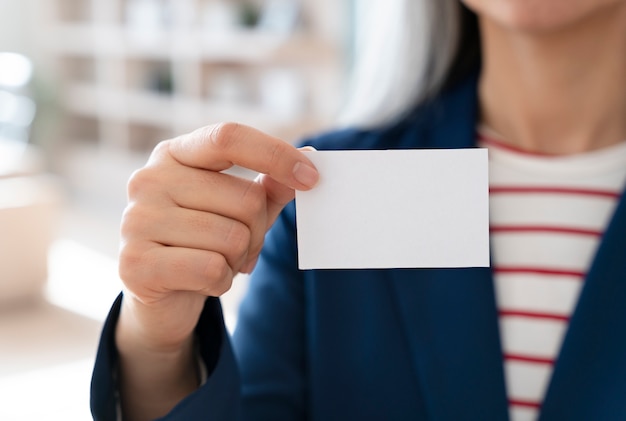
{"points": [[420, 208]]}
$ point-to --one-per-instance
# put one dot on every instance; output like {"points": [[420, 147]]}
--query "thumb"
{"points": [[278, 194]]}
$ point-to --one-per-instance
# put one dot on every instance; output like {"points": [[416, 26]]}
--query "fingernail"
{"points": [[305, 174]]}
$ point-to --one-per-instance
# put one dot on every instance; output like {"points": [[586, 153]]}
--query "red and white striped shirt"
{"points": [[547, 216]]}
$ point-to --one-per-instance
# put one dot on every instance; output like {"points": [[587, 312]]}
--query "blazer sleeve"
{"points": [[217, 399], [268, 347], [269, 339]]}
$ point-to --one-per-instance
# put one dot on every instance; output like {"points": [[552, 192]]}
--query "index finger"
{"points": [[221, 146]]}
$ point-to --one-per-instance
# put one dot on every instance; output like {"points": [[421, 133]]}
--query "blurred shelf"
{"points": [[236, 46], [128, 88], [162, 110]]}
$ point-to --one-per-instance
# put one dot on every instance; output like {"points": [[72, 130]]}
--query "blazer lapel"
{"points": [[450, 319], [589, 379], [450, 315]]}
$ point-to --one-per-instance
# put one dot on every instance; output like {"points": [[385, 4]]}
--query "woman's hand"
{"points": [[189, 228]]}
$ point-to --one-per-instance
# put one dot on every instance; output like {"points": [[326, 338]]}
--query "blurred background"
{"points": [[87, 88]]}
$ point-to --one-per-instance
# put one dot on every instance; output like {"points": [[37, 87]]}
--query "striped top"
{"points": [[547, 217]]}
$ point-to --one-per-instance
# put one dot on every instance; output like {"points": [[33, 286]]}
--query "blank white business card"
{"points": [[395, 209]]}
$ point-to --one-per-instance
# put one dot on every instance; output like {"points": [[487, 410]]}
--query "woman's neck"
{"points": [[561, 92]]}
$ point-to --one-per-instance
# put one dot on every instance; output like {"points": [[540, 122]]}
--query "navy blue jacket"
{"points": [[410, 344]]}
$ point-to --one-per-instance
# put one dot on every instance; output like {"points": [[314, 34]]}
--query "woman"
{"points": [[539, 334]]}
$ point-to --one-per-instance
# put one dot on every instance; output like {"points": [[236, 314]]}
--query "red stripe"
{"points": [[507, 147], [534, 315], [536, 270], [555, 190], [527, 404], [539, 228], [529, 359]]}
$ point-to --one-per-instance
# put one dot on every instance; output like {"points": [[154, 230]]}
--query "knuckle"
{"points": [[140, 181], [222, 287], [216, 268], [276, 154], [221, 135], [255, 249], [253, 199], [238, 238], [135, 183], [134, 219], [161, 152], [130, 264], [161, 148]]}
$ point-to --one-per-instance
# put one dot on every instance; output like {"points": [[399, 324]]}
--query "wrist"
{"points": [[152, 377], [151, 329]]}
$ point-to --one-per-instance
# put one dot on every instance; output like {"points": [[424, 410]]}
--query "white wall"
{"points": [[14, 25]]}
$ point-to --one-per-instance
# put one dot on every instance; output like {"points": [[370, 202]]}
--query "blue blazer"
{"points": [[410, 344]]}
